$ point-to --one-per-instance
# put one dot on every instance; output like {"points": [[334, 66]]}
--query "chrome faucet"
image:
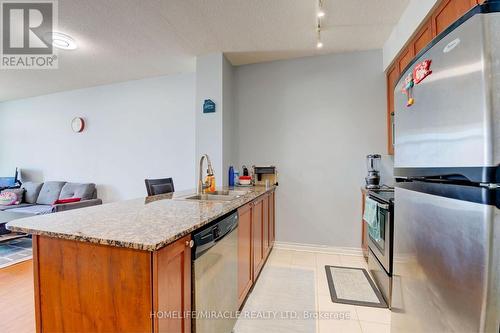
{"points": [[201, 184]]}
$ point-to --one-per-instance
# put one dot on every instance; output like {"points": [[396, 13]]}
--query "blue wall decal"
{"points": [[208, 106]]}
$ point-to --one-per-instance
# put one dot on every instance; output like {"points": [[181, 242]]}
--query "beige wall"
{"points": [[135, 130], [316, 119]]}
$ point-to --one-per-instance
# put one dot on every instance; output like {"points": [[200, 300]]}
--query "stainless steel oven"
{"points": [[380, 242], [380, 238]]}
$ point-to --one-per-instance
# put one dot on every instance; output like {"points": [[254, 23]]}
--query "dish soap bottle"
{"points": [[212, 183]]}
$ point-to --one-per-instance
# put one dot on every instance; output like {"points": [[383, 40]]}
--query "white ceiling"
{"points": [[123, 40]]}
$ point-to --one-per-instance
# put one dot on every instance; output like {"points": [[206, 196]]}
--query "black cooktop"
{"points": [[384, 195]]}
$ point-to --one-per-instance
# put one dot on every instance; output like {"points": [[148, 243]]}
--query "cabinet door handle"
{"points": [[190, 243]]}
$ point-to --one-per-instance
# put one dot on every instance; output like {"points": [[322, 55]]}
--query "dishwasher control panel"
{"points": [[213, 233]]}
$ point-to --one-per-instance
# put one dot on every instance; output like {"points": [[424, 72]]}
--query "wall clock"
{"points": [[77, 124]]}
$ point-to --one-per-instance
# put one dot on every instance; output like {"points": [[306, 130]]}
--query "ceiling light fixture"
{"points": [[319, 44], [321, 11], [61, 41], [321, 14]]}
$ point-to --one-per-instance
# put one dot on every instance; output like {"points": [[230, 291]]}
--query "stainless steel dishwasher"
{"points": [[215, 275]]}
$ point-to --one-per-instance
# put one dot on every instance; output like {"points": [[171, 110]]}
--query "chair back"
{"points": [[159, 186]]}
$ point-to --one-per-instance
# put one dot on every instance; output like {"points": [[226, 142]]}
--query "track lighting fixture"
{"points": [[320, 15]]}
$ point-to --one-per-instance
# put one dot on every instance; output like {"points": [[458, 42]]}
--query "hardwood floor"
{"points": [[17, 305]]}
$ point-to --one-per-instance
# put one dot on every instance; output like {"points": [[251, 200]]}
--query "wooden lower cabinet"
{"points": [[245, 253], [272, 219], [172, 287], [266, 245], [87, 287], [256, 235]]}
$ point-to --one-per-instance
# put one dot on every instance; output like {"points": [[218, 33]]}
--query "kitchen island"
{"points": [[126, 266]]}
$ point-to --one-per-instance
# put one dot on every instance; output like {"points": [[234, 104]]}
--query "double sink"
{"points": [[228, 195]]}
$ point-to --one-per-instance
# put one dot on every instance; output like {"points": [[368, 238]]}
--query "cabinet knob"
{"points": [[190, 243]]}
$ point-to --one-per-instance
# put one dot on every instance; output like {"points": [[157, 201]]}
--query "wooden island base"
{"points": [[87, 287], [82, 285]]}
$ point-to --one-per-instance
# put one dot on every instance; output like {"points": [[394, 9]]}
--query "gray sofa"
{"points": [[39, 198]]}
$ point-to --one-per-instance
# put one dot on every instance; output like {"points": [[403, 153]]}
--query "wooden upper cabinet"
{"points": [[392, 76], [448, 12], [423, 38], [406, 58], [245, 254]]}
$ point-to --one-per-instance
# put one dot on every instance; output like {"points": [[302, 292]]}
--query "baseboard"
{"points": [[346, 251]]}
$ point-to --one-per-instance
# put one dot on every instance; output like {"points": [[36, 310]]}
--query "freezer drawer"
{"points": [[445, 265]]}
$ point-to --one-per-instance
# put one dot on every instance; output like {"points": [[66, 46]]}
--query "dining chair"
{"points": [[159, 186]]}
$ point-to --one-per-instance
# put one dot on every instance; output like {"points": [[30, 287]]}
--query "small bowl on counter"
{"points": [[245, 180]]}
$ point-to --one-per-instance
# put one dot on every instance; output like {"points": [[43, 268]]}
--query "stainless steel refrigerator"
{"points": [[447, 199]]}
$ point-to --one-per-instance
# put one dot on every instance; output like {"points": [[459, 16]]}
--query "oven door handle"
{"points": [[379, 204], [382, 206]]}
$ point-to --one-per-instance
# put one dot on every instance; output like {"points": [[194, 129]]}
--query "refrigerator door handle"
{"points": [[490, 186]]}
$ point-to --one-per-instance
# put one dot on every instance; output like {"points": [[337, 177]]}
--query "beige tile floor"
{"points": [[295, 281]]}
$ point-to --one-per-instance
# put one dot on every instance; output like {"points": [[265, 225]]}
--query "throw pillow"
{"points": [[8, 198], [19, 192], [64, 201], [49, 193], [77, 190], [32, 191]]}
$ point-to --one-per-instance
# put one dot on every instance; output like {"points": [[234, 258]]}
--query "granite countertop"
{"points": [[143, 224]]}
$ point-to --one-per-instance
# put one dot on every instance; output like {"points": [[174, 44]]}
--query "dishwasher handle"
{"points": [[210, 236]]}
